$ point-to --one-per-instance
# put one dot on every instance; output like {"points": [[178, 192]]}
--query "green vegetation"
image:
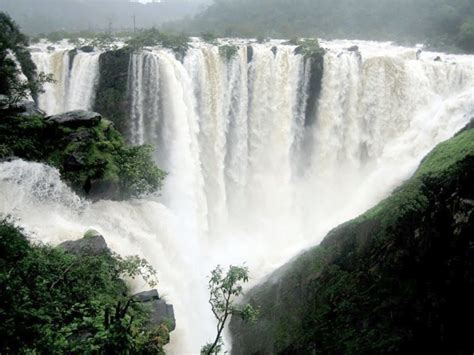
{"points": [[12, 41], [93, 159], [55, 302], [393, 281], [210, 37], [179, 44], [439, 23], [228, 51], [223, 290]]}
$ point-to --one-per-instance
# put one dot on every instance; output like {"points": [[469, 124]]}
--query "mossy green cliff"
{"points": [[87, 149], [396, 280]]}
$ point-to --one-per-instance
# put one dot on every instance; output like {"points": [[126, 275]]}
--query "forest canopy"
{"points": [[439, 23]]}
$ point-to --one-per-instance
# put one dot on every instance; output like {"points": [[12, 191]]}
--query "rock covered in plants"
{"points": [[89, 152]]}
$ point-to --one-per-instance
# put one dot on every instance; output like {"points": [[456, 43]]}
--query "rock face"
{"points": [[87, 49], [161, 312], [112, 99], [396, 280], [93, 243], [76, 119]]}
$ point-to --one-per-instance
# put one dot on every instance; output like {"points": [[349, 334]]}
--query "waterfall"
{"points": [[75, 80], [248, 180]]}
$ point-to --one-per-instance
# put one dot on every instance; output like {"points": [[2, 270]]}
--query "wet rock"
{"points": [[93, 243], [438, 59], [274, 50], [50, 48], [353, 49], [87, 49], [160, 311], [147, 296], [77, 118], [249, 54]]}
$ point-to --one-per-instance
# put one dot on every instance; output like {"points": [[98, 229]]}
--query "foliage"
{"points": [[210, 37], [223, 290], [179, 44], [138, 173], [392, 281], [55, 301], [228, 51], [309, 48], [15, 44], [435, 22]]}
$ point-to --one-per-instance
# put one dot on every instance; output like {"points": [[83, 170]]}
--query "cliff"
{"points": [[397, 279]]}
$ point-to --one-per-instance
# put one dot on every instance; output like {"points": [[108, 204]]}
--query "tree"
{"points": [[16, 62], [223, 291]]}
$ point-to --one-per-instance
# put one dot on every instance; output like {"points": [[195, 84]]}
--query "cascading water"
{"points": [[249, 179], [75, 76]]}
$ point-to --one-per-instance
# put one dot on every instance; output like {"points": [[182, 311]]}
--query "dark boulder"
{"points": [[50, 48], [87, 49], [93, 243], [438, 59], [249, 54], [160, 311], [72, 54], [274, 50], [76, 119], [146, 296], [353, 49]]}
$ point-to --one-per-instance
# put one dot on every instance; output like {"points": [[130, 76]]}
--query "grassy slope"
{"points": [[396, 279]]}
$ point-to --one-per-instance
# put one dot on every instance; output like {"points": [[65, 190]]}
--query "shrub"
{"points": [[56, 301]]}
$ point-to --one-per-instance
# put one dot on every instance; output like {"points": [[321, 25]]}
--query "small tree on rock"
{"points": [[223, 290]]}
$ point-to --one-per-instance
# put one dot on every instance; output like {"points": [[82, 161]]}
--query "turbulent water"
{"points": [[252, 176]]}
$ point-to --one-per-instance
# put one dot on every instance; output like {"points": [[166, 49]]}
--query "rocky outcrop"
{"points": [[93, 244], [396, 280], [87, 49], [112, 90], [74, 119], [160, 311]]}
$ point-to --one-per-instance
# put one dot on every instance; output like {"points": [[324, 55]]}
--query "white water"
{"points": [[75, 80], [248, 181]]}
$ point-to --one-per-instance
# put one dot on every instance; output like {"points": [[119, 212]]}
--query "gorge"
{"points": [[261, 161]]}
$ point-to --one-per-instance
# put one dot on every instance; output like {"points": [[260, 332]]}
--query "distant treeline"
{"points": [[440, 23], [44, 16]]}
